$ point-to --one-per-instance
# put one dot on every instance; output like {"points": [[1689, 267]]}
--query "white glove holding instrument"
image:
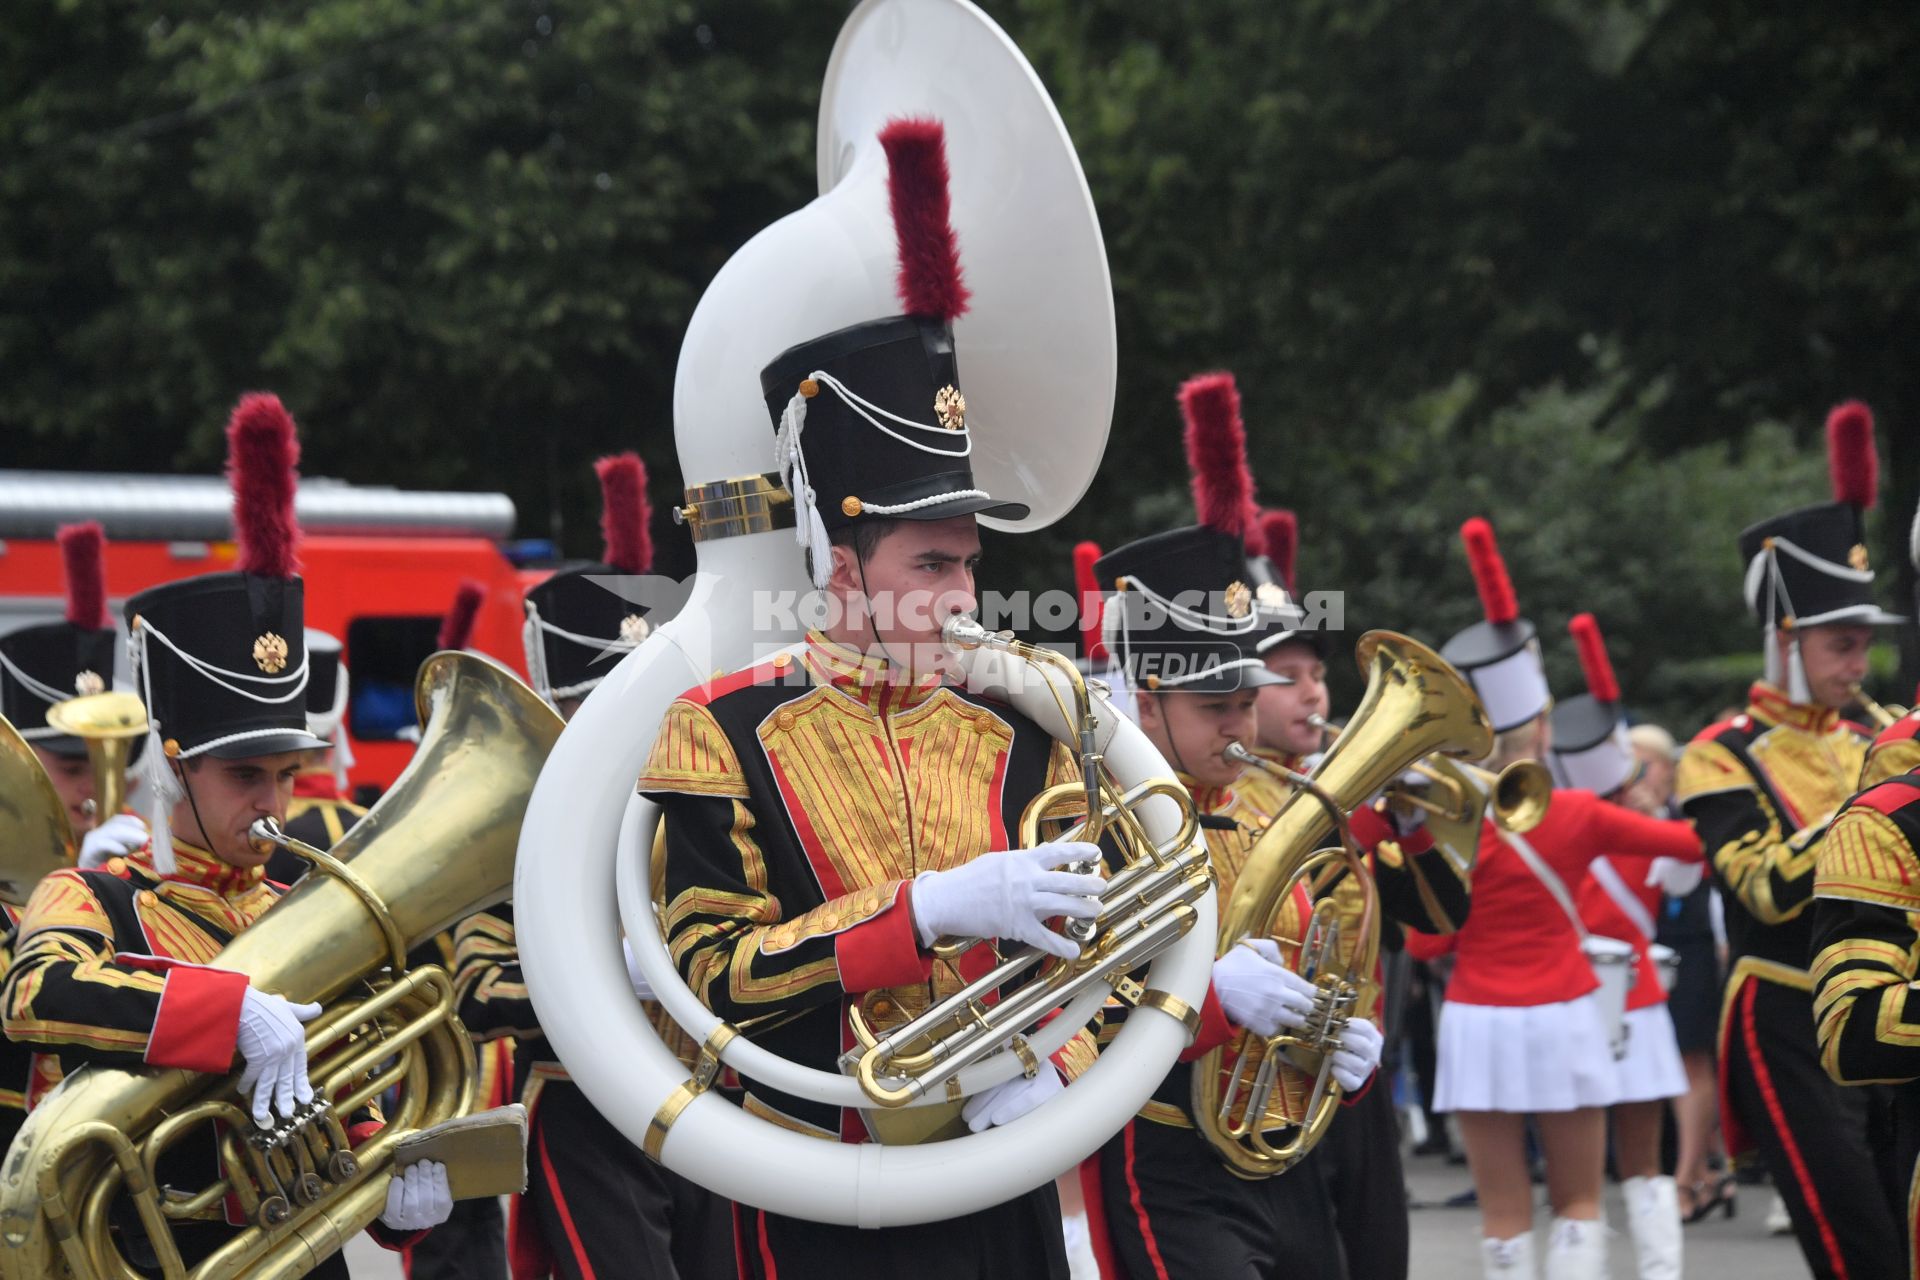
{"points": [[1358, 1054], [1011, 1099], [641, 987], [275, 1050], [118, 836], [1257, 991], [419, 1198], [1674, 876], [1009, 896]]}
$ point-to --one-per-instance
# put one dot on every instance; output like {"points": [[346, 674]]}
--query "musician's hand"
{"points": [[1358, 1054], [275, 1050], [641, 987], [1258, 992], [1405, 816], [418, 1199], [1011, 1099], [119, 835], [1010, 896], [1674, 876]]}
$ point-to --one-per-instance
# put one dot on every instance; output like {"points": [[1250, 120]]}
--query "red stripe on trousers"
{"points": [[1778, 1116], [566, 1217], [1140, 1211], [1100, 1235], [766, 1250]]}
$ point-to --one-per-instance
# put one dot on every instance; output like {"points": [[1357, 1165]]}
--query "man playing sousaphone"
{"points": [[833, 812], [113, 964], [1182, 626]]}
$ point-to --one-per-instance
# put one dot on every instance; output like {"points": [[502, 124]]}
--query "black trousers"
{"points": [[1174, 1212], [1359, 1159], [1018, 1240], [471, 1245], [1813, 1136], [196, 1240], [609, 1213]]}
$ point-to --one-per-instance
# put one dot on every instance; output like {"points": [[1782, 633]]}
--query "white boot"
{"points": [[1507, 1259], [1653, 1219], [1577, 1250]]}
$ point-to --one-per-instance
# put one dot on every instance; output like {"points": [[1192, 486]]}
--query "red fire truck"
{"points": [[381, 566]]}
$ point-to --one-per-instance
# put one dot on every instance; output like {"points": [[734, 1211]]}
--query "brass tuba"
{"points": [[1415, 706], [109, 723], [438, 846], [36, 836]]}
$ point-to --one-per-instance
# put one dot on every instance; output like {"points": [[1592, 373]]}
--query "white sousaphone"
{"points": [[1038, 354]]}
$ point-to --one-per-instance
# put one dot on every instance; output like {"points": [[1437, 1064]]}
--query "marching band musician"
{"points": [[1521, 1032], [831, 813], [1896, 746], [320, 811], [1591, 752], [595, 1206], [1761, 788], [1169, 1204], [113, 963], [40, 666]]}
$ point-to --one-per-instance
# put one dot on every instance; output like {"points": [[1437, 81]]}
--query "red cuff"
{"points": [[1429, 946], [1370, 827], [882, 952], [199, 1019], [1348, 1100], [1214, 1031]]}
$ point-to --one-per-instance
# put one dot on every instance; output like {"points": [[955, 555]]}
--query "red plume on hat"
{"points": [[83, 551], [1851, 459], [456, 627], [1591, 647], [623, 512], [1281, 532], [1497, 600], [1091, 601], [929, 283], [262, 451], [1217, 458]]}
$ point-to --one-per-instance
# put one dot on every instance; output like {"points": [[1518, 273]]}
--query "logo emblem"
{"points": [[88, 683], [634, 629], [270, 654], [1239, 599], [950, 407]]}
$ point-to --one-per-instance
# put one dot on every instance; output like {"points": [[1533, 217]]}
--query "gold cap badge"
{"points": [[1858, 557], [950, 407], [270, 654], [88, 683], [1239, 599], [634, 629]]}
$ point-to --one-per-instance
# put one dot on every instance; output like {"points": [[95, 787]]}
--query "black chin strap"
{"points": [[180, 772], [873, 627]]}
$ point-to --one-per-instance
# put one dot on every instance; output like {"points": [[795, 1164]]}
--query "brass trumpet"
{"points": [[438, 846], [1415, 706], [109, 723], [1882, 717], [1145, 907], [1459, 795]]}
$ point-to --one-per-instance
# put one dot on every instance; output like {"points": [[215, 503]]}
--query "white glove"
{"points": [[1358, 1054], [275, 1049], [1405, 818], [118, 836], [419, 1198], [1011, 1099], [1009, 896], [641, 987], [1258, 992], [1674, 876]]}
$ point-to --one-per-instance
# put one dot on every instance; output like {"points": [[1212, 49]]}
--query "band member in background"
{"points": [[1522, 1032], [1419, 888], [320, 812], [595, 1206], [1621, 900], [1761, 788], [1896, 747], [113, 964], [1182, 625], [832, 812]]}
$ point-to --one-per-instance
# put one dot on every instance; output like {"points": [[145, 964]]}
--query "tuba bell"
{"points": [[109, 723], [1415, 706], [438, 846], [1038, 347], [36, 835]]}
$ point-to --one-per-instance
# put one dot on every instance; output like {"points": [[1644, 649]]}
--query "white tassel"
{"points": [[155, 768], [809, 530], [1797, 690], [342, 759], [1773, 672], [534, 645]]}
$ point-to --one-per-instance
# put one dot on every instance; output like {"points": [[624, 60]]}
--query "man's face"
{"points": [[73, 781], [1286, 710], [919, 575], [1192, 729], [1835, 658], [227, 796], [1650, 792]]}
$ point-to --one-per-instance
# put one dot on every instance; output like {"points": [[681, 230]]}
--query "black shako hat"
{"points": [[49, 662], [1182, 615]]}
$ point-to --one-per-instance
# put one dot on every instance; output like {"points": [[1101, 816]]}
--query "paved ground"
{"points": [[1446, 1241]]}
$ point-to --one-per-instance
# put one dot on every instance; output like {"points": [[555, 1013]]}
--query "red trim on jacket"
{"points": [[882, 952], [198, 1023]]}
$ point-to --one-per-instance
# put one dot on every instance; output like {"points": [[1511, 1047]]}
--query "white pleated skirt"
{"points": [[1528, 1058], [1652, 1068]]}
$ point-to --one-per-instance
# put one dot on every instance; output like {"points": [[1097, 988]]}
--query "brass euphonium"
{"points": [[109, 723], [36, 835], [1415, 706], [438, 846]]}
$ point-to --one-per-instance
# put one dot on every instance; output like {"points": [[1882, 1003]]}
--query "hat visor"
{"points": [[1859, 615], [987, 506], [271, 744], [1274, 639], [1223, 679], [64, 745]]}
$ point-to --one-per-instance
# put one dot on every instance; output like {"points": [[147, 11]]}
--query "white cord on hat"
{"points": [[45, 692], [1227, 625], [530, 638]]}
